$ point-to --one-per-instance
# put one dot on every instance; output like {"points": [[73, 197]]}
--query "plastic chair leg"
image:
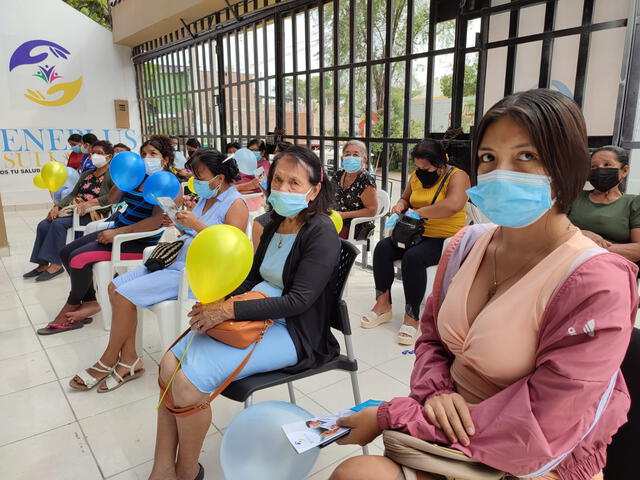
{"points": [[248, 402], [101, 280], [292, 393]]}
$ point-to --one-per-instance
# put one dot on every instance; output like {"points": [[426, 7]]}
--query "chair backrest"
{"points": [[384, 202], [348, 254]]}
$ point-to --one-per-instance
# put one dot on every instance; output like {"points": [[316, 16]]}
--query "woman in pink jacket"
{"points": [[518, 364]]}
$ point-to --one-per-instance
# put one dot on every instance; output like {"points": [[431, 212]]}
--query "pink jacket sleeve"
{"points": [[531, 426]]}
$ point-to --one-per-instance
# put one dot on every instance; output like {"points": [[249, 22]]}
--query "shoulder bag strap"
{"points": [[441, 186]]}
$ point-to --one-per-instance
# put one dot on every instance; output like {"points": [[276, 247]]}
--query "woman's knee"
{"points": [[43, 227], [366, 467], [184, 392], [168, 364], [384, 250]]}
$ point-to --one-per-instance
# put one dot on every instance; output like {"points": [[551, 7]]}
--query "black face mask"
{"points": [[427, 178], [604, 179]]}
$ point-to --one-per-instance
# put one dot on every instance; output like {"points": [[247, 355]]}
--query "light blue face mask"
{"points": [[152, 165], [512, 199], [288, 204], [351, 164], [76, 149], [258, 155], [264, 185], [203, 190]]}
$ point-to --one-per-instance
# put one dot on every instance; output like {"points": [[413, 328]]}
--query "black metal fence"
{"points": [[388, 72]]}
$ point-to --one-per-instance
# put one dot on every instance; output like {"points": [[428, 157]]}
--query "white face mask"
{"points": [[152, 165], [84, 149], [98, 160]]}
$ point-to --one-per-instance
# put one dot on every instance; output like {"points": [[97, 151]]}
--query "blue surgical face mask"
{"points": [[264, 185], [175, 148], [76, 149], [203, 189], [288, 204], [258, 155], [351, 164], [512, 199], [152, 165]]}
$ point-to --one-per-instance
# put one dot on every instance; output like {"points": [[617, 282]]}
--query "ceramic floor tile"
{"points": [[60, 454], [25, 371], [373, 385], [209, 458], [10, 301], [377, 345], [122, 438], [399, 368], [42, 313], [318, 382], [59, 283], [87, 332], [33, 411], [69, 359], [89, 403], [18, 342], [44, 293], [13, 318]]}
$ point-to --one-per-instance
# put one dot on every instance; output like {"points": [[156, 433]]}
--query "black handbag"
{"points": [[163, 255], [409, 231]]}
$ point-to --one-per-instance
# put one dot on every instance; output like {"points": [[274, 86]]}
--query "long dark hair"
{"points": [[317, 175], [431, 150], [557, 130], [215, 162]]}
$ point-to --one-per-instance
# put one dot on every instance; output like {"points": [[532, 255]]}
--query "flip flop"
{"points": [[373, 319], [410, 334], [54, 328]]}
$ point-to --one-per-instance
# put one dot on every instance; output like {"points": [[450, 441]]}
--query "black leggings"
{"points": [[79, 256], [414, 269]]}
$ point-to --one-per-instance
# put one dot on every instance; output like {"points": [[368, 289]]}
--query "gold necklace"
{"points": [[495, 285]]}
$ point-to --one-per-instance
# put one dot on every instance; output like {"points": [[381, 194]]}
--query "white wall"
{"points": [[32, 134]]}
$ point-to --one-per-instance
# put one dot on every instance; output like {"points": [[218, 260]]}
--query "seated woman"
{"points": [[606, 215], [220, 203], [355, 190], [250, 183], [518, 366], [79, 256], [442, 219], [90, 190], [293, 266]]}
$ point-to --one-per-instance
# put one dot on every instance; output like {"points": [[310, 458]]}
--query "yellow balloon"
{"points": [[38, 181], [190, 185], [54, 175], [218, 260], [336, 219]]}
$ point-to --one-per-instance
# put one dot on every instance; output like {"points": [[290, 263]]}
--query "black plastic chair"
{"points": [[242, 390], [623, 461]]}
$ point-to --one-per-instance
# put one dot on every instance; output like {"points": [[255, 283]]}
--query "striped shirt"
{"points": [[137, 210]]}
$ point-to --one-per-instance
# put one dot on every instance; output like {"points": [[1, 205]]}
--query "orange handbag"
{"points": [[238, 334]]}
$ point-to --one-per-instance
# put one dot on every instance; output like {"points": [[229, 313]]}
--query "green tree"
{"points": [[96, 10], [470, 79]]}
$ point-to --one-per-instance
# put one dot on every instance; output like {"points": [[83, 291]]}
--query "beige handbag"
{"points": [[428, 457]]}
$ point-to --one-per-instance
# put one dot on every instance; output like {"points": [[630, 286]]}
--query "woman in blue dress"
{"points": [[293, 265], [220, 203]]}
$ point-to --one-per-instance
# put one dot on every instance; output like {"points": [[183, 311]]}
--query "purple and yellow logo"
{"points": [[47, 72]]}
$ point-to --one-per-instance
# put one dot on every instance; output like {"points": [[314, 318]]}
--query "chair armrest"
{"points": [[118, 240], [357, 221]]}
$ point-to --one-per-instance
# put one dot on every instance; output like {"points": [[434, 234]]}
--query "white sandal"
{"points": [[407, 335], [114, 380], [89, 380], [373, 319]]}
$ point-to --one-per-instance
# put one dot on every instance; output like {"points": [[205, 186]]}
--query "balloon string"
{"points": [[176, 370]]}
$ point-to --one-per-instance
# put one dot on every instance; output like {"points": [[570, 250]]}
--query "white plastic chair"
{"points": [[103, 272], [171, 315], [254, 210], [76, 227], [383, 208]]}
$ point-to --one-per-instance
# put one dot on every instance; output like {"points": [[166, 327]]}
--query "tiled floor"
{"points": [[53, 432]]}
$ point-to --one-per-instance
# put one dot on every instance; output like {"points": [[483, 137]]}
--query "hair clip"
{"points": [[230, 157]]}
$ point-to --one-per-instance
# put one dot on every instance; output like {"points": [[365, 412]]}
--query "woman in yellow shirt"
{"points": [[442, 219]]}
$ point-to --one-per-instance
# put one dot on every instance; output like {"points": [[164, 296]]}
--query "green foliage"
{"points": [[470, 78], [96, 10]]}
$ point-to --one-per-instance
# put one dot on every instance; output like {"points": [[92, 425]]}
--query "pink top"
{"points": [[499, 347], [247, 178]]}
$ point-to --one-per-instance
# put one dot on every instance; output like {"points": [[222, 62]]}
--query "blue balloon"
{"points": [[246, 160], [127, 171], [254, 445], [160, 184], [72, 178]]}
